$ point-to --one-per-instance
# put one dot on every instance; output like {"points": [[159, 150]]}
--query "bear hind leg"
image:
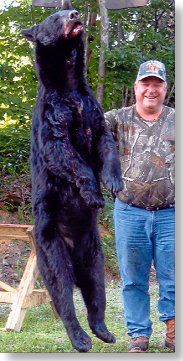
{"points": [[90, 279], [56, 269]]}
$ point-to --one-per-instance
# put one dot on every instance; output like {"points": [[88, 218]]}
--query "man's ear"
{"points": [[135, 86], [31, 33]]}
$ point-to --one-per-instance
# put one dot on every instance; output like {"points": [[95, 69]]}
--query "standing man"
{"points": [[144, 213]]}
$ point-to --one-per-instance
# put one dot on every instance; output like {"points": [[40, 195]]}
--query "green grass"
{"points": [[108, 246], [42, 333]]}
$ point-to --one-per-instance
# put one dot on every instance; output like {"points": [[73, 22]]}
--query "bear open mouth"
{"points": [[76, 29]]}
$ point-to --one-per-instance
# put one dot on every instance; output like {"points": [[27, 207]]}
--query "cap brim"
{"points": [[151, 74]]}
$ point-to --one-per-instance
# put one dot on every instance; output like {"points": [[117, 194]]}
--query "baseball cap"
{"points": [[152, 68]]}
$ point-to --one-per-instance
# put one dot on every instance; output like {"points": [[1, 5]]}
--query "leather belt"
{"points": [[153, 208]]}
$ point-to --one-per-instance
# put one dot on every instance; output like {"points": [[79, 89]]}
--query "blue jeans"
{"points": [[142, 236]]}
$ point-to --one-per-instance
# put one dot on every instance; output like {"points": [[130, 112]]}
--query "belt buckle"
{"points": [[152, 208]]}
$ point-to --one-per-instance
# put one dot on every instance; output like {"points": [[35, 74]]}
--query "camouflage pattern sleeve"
{"points": [[111, 121]]}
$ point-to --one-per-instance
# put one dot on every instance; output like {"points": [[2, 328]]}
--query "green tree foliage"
{"points": [[135, 35], [17, 75], [18, 84]]}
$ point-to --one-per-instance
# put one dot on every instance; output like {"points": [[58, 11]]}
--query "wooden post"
{"points": [[25, 288], [25, 295]]}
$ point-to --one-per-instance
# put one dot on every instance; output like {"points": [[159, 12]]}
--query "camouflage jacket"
{"points": [[147, 154]]}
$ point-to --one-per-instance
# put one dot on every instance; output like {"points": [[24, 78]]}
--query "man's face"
{"points": [[150, 93]]}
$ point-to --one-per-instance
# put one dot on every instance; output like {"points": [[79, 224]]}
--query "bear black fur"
{"points": [[71, 151]]}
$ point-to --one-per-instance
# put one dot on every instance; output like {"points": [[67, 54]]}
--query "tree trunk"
{"points": [[90, 24], [103, 46], [121, 35]]}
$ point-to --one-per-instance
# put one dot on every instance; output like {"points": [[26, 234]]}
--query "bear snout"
{"points": [[74, 15]]}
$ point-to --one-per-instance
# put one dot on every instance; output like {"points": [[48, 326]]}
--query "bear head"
{"points": [[59, 49], [64, 24]]}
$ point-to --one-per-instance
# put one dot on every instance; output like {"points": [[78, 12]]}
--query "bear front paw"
{"points": [[113, 184]]}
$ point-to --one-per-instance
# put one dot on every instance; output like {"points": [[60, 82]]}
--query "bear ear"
{"points": [[66, 5], [30, 33]]}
